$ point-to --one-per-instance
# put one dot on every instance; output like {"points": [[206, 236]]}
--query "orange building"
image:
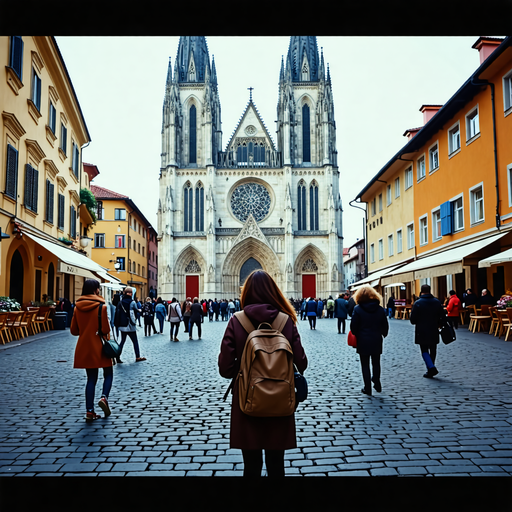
{"points": [[457, 170]]}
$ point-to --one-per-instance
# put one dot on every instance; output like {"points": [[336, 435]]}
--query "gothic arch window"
{"points": [[313, 206], [187, 207], [301, 206], [193, 266], [250, 152], [199, 207], [192, 141], [306, 137]]}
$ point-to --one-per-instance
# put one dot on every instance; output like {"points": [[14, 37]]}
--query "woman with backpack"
{"points": [[89, 348], [149, 315], [261, 301]]}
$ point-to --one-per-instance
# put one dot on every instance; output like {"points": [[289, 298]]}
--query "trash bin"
{"points": [[60, 320]]}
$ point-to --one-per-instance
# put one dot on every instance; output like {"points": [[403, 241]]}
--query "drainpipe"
{"points": [[486, 83]]}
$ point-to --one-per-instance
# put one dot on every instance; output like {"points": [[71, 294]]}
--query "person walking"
{"points": [[89, 348], [231, 308], [369, 324], [311, 308], [453, 309], [160, 313], [186, 312], [175, 317], [223, 309], [391, 306], [148, 314], [319, 308], [351, 303], [261, 300], [126, 314], [196, 314], [216, 309], [340, 312], [330, 307], [427, 315]]}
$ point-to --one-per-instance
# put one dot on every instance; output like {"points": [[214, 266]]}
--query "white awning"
{"points": [[445, 262], [374, 276], [502, 257], [394, 284]]}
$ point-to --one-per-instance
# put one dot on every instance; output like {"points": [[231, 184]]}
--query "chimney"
{"points": [[486, 45], [411, 133], [429, 111]]}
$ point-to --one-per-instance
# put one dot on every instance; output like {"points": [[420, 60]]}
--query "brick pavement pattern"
{"points": [[168, 417]]}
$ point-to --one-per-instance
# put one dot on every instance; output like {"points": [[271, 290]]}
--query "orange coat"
{"points": [[453, 306], [89, 349]]}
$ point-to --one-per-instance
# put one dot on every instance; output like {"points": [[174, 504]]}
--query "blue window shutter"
{"points": [[11, 180], [16, 57], [446, 218]]}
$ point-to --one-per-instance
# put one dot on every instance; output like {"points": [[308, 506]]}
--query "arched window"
{"points": [[192, 150], [187, 208], [301, 203], [306, 139], [199, 207], [313, 206]]}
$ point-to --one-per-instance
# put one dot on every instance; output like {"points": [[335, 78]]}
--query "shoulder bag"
{"points": [[351, 339], [110, 346], [447, 333]]}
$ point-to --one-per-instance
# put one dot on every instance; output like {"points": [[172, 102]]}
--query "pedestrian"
{"points": [[330, 307], [223, 309], [186, 312], [340, 312], [427, 315], [261, 300], [369, 324], [391, 306], [126, 314], [210, 310], [311, 308], [453, 309], [196, 314], [175, 317], [351, 304], [319, 308], [204, 305], [148, 315], [216, 309], [89, 347], [231, 308], [138, 312], [160, 313]]}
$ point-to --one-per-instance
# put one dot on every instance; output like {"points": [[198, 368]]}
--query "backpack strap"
{"points": [[280, 321], [244, 321]]}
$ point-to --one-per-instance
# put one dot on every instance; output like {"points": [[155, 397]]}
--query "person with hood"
{"points": [[261, 300], [126, 314], [351, 303], [340, 312], [369, 324], [89, 348], [427, 315]]}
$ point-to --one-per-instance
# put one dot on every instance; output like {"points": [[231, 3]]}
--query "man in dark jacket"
{"points": [[340, 312], [351, 304], [427, 315], [487, 298]]}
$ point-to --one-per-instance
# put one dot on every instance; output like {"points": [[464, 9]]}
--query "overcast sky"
{"points": [[379, 84]]}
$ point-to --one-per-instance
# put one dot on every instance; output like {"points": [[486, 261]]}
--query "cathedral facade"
{"points": [[254, 204]]}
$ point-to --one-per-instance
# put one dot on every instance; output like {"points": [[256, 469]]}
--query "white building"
{"points": [[222, 214]]}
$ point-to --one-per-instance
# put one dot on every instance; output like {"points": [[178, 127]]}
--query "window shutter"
{"points": [[72, 223], [446, 218], [61, 212], [49, 201], [11, 181], [35, 188], [16, 60], [28, 197]]}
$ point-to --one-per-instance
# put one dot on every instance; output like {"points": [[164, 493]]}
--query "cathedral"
{"points": [[255, 203]]}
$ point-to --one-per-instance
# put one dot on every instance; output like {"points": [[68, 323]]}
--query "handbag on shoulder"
{"points": [[351, 340], [110, 346]]}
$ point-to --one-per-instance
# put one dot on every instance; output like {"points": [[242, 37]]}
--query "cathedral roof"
{"points": [[192, 59], [301, 49]]}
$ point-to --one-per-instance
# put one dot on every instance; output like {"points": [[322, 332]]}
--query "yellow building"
{"points": [[456, 205], [42, 218], [120, 238]]}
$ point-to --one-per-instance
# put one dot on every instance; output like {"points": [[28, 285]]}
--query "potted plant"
{"points": [[505, 301], [8, 304]]}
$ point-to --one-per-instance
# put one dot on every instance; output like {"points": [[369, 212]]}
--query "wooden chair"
{"points": [[462, 314], [495, 321], [4, 331], [49, 320], [28, 322], [42, 318], [479, 320], [16, 325], [509, 325]]}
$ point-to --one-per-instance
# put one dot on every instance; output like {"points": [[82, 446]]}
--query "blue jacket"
{"points": [[340, 308], [320, 308], [311, 308]]}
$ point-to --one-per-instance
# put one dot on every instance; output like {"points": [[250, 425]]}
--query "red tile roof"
{"points": [[104, 193]]}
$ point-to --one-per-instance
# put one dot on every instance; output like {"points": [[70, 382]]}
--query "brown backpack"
{"points": [[266, 385]]}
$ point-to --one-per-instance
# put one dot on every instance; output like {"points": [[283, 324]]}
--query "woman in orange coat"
{"points": [[89, 348], [453, 309]]}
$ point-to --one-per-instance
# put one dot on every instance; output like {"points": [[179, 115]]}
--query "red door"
{"points": [[192, 286], [308, 285]]}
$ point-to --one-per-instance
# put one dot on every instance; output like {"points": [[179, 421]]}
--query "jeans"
{"points": [[429, 352], [253, 462], [390, 312], [175, 326], [92, 378], [365, 367], [191, 325], [161, 322], [186, 320], [133, 336], [312, 322], [341, 321]]}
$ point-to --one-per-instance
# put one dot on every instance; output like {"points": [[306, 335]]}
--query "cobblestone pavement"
{"points": [[168, 417]]}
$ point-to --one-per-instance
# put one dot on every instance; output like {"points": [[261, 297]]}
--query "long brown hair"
{"points": [[260, 288]]}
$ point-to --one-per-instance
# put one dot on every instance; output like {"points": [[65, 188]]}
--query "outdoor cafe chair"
{"points": [[42, 318], [509, 327], [479, 320], [16, 324], [4, 331], [495, 321], [28, 322]]}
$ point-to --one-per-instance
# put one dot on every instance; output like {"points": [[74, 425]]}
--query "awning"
{"points": [[502, 257], [374, 278], [394, 284], [445, 262], [71, 262]]}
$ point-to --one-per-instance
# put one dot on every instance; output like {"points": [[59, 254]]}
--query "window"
{"points": [[476, 200], [52, 119], [388, 195], [134, 266], [397, 187], [390, 245], [380, 202], [122, 263], [374, 203], [507, 91], [60, 216], [408, 178], [372, 253], [50, 201], [313, 207], [16, 56], [120, 214], [99, 239], [192, 143], [100, 212], [36, 90], [410, 236], [187, 207], [75, 158], [381, 249], [120, 241], [421, 168], [31, 188], [433, 156], [301, 203], [472, 124], [454, 139], [139, 248], [199, 207], [458, 214], [63, 138], [436, 225], [423, 230], [11, 180], [72, 221], [306, 142], [399, 241], [135, 245]]}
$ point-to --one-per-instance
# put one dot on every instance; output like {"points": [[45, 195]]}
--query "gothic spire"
{"points": [[192, 59], [303, 58]]}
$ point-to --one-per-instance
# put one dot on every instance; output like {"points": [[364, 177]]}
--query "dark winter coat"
{"points": [[340, 308], [248, 432], [311, 308], [427, 315], [196, 312], [351, 305], [369, 324]]}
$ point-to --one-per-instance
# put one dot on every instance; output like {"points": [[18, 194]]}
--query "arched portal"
{"points": [[250, 265], [16, 279]]}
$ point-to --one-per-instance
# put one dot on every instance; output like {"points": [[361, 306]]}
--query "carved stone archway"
{"points": [[189, 262], [311, 260]]}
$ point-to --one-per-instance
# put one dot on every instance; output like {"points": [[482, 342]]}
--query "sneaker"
{"points": [[176, 339], [91, 416], [103, 405]]}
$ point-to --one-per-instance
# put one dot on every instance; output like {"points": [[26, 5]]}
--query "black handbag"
{"points": [[447, 333], [110, 347], [301, 386]]}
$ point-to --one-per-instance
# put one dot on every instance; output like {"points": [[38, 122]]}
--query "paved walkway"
{"points": [[168, 417]]}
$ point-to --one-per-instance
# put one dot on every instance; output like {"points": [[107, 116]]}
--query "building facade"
{"points": [[152, 245], [255, 204], [448, 191], [354, 262]]}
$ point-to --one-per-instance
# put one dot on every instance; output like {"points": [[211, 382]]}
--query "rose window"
{"points": [[250, 198]]}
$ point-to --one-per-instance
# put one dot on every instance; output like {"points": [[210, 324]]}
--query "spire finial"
{"points": [[250, 92]]}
